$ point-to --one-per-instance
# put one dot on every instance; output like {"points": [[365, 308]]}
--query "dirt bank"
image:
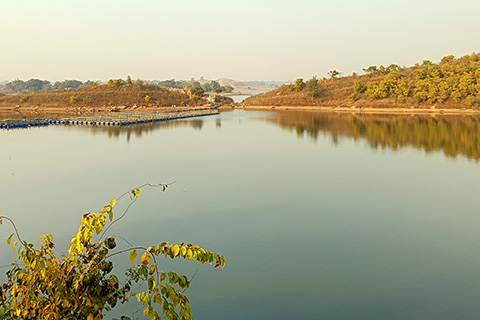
{"points": [[393, 110]]}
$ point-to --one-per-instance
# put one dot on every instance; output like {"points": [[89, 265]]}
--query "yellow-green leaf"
{"points": [[133, 255], [10, 239], [189, 254], [175, 250], [145, 260], [113, 202], [14, 246], [136, 192], [157, 298]]}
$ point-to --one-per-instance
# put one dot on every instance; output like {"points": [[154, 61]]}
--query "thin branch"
{"points": [[15, 228], [191, 279], [131, 203], [124, 213], [131, 245]]}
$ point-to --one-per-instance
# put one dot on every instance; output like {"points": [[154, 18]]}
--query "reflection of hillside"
{"points": [[142, 129], [454, 135]]}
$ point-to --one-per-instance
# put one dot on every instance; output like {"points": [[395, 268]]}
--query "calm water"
{"points": [[241, 97], [320, 216]]}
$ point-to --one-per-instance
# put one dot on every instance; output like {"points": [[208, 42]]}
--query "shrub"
{"points": [[48, 285]]}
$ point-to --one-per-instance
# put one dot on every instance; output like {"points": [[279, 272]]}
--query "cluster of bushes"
{"points": [[195, 86], [451, 80]]}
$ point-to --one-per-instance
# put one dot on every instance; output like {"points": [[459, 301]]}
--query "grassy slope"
{"points": [[332, 93], [336, 92], [125, 95]]}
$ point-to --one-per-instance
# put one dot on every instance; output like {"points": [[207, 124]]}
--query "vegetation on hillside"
{"points": [[451, 83], [83, 284], [115, 93], [36, 85], [196, 86]]}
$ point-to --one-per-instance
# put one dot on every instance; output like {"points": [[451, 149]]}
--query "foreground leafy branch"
{"points": [[47, 285]]}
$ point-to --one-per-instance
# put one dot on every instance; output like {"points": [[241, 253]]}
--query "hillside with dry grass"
{"points": [[451, 83], [105, 96]]}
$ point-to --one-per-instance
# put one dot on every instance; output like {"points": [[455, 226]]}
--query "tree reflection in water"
{"points": [[454, 135]]}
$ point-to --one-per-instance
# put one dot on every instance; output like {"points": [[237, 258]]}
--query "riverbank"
{"points": [[29, 111], [370, 110], [84, 110]]}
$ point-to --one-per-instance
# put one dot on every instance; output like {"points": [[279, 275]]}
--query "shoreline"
{"points": [[68, 110], [84, 110], [369, 110]]}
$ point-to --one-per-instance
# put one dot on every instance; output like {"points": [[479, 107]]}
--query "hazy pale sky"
{"points": [[243, 40]]}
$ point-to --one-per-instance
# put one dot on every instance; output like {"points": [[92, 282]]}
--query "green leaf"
{"points": [[151, 283], [143, 271], [133, 255], [10, 239]]}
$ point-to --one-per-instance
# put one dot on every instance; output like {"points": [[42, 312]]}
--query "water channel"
{"points": [[320, 216]]}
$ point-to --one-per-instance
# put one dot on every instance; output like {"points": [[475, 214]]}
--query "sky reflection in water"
{"points": [[330, 217]]}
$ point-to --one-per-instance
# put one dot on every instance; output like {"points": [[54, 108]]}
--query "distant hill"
{"points": [[451, 83], [251, 85]]}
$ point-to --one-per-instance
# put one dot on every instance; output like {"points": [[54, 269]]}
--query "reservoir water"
{"points": [[320, 216]]}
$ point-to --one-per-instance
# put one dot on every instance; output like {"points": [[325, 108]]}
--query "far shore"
{"points": [[71, 111], [79, 111], [393, 110]]}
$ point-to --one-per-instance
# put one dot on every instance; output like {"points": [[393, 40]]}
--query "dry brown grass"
{"points": [[336, 93], [101, 96]]}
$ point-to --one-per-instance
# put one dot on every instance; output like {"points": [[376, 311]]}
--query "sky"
{"points": [[242, 40]]}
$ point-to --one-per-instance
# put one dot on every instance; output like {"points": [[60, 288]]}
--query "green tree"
{"points": [[312, 88], [371, 70], [197, 91], [81, 286], [358, 88], [333, 74], [299, 84], [228, 88]]}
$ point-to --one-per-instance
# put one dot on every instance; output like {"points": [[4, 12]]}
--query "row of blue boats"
{"points": [[118, 119]]}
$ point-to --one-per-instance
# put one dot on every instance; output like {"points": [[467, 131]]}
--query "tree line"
{"points": [[36, 85]]}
